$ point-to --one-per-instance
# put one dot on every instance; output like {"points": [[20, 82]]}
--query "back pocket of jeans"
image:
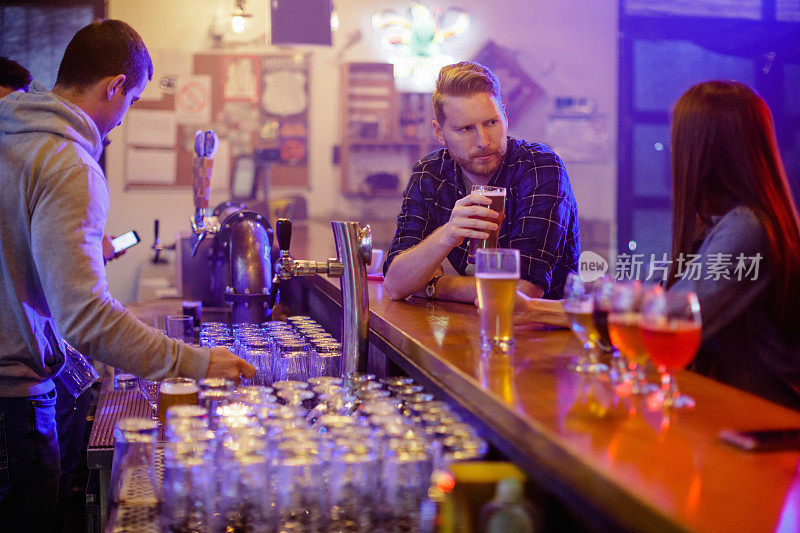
{"points": [[3, 451]]}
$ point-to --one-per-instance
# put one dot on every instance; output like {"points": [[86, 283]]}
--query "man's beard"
{"points": [[483, 169]]}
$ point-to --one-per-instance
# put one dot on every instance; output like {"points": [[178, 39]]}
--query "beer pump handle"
{"points": [[284, 233], [283, 266], [157, 246]]}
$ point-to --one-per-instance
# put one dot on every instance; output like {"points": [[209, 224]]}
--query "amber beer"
{"points": [[496, 274], [496, 302], [176, 391], [498, 197]]}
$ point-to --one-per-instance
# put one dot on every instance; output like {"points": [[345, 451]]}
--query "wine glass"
{"points": [[671, 333], [624, 327], [149, 390], [578, 303]]}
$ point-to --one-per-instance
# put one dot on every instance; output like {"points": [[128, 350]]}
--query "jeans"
{"points": [[29, 463], [71, 419]]}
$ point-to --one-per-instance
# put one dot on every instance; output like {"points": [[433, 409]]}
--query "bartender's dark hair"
{"points": [[13, 75], [104, 48], [724, 155], [463, 79]]}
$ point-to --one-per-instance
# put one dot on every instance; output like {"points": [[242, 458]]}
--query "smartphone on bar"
{"points": [[125, 241], [763, 439]]}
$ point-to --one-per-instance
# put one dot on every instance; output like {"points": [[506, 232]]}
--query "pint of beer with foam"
{"points": [[176, 391]]}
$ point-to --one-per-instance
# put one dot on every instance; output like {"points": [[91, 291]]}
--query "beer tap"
{"points": [[205, 146], [157, 246], [354, 246], [286, 267]]}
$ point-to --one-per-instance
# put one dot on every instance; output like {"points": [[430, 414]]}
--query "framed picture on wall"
{"points": [[519, 90]]}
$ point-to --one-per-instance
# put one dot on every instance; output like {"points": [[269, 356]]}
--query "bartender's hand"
{"points": [[463, 223], [223, 364]]}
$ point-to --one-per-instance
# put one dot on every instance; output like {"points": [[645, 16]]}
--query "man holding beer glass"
{"points": [[520, 198]]}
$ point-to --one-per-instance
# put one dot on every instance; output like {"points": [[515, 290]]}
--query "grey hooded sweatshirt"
{"points": [[53, 207]]}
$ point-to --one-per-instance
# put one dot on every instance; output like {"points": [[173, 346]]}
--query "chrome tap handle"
{"points": [[335, 268], [332, 267]]}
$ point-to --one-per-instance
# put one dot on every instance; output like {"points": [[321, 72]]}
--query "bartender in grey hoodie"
{"points": [[53, 206]]}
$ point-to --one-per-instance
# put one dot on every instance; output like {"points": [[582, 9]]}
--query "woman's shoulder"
{"points": [[739, 230], [740, 220]]}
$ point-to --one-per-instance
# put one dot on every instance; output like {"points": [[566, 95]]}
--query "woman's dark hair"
{"points": [[725, 154], [104, 48], [13, 75]]}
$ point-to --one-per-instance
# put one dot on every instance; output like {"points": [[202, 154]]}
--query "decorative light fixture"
{"points": [[420, 32], [418, 36], [240, 16]]}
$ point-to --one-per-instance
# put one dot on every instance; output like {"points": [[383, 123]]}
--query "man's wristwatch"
{"points": [[430, 288]]}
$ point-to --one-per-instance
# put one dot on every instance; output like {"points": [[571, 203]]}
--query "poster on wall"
{"points": [[193, 100], [284, 107], [518, 89], [257, 104]]}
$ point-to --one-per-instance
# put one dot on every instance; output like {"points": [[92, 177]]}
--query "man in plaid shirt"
{"points": [[437, 217]]}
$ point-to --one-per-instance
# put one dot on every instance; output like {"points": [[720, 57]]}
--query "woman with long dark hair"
{"points": [[733, 209], [734, 217]]}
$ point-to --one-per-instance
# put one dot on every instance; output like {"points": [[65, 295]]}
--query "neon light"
{"points": [[420, 32]]}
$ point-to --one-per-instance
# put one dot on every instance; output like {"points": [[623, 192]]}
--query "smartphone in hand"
{"points": [[125, 241]]}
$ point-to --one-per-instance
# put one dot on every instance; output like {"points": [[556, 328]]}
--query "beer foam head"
{"points": [[498, 275], [179, 387], [489, 190]]}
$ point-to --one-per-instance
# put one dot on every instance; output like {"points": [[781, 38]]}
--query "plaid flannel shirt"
{"points": [[541, 213]]}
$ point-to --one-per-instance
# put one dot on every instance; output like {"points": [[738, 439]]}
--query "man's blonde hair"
{"points": [[463, 79]]}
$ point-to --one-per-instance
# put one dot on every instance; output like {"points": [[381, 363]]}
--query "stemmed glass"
{"points": [[578, 303], [624, 327], [149, 390], [671, 333]]}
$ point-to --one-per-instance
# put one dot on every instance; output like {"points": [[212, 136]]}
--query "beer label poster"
{"points": [[254, 102]]}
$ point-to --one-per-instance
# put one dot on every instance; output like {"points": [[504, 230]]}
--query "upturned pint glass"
{"points": [[176, 391], [498, 197], [497, 274]]}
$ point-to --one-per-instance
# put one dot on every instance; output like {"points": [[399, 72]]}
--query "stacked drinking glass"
{"points": [[318, 454]]}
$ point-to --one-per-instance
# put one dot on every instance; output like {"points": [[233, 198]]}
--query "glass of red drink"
{"points": [[671, 333], [624, 327]]}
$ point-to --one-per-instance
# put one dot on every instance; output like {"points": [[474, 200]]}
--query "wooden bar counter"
{"points": [[615, 462]]}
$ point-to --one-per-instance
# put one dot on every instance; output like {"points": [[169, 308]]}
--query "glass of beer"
{"points": [[578, 303], [671, 333], [498, 197], [176, 391], [497, 274]]}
